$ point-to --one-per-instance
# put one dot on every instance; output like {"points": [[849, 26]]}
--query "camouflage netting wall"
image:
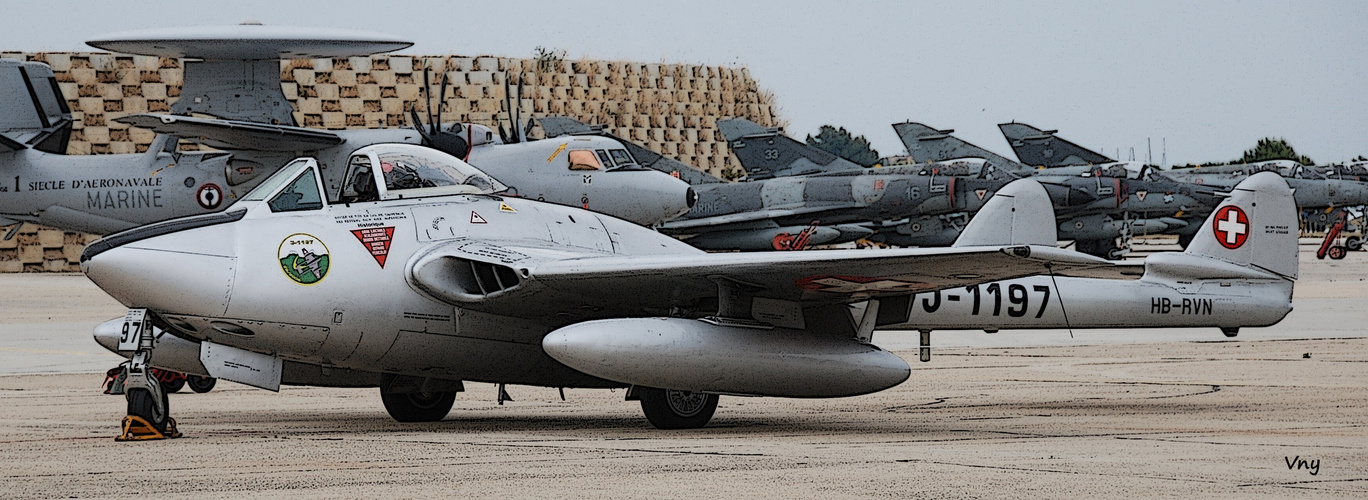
{"points": [[669, 108]]}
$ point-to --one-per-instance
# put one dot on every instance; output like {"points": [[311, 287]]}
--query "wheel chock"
{"points": [[137, 429]]}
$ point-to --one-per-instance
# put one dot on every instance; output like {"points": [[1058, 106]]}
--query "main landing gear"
{"points": [[674, 409], [414, 399]]}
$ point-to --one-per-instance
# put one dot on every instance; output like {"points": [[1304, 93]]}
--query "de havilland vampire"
{"points": [[232, 87], [415, 287]]}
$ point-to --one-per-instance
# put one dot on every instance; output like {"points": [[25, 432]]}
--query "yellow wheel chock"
{"points": [[137, 429]]}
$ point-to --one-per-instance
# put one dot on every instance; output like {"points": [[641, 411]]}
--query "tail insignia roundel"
{"points": [[1231, 226]]}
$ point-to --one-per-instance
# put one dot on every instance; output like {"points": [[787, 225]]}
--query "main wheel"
{"points": [[671, 409], [142, 403], [1353, 243], [174, 385], [418, 406], [200, 384]]}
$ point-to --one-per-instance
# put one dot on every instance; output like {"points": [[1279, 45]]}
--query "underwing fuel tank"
{"points": [[702, 356]]}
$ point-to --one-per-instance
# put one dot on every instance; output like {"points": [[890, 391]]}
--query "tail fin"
{"points": [[766, 153], [1019, 214], [926, 144], [33, 113], [1256, 226], [1041, 148], [555, 126]]}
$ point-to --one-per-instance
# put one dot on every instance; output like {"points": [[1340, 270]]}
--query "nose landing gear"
{"points": [[149, 409]]}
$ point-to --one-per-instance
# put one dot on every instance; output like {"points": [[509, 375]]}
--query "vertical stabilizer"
{"points": [[1256, 226], [1019, 214], [1041, 148], [765, 153], [926, 144], [33, 113]]}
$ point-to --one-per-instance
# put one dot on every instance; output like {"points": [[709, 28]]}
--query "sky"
{"points": [[1201, 81]]}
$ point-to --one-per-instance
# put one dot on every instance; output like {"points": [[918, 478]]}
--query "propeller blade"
{"points": [[508, 107], [427, 92], [517, 107], [418, 125], [441, 98]]}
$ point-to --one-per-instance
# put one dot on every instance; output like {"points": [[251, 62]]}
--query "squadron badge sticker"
{"points": [[304, 258]]}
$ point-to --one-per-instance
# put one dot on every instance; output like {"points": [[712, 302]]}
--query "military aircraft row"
{"points": [[414, 260]]}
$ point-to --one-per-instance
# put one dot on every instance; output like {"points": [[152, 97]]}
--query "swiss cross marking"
{"points": [[1231, 226]]}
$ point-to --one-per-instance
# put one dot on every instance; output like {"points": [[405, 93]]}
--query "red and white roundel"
{"points": [[209, 196], [1231, 226]]}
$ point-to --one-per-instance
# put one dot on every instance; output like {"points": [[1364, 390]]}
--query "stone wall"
{"points": [[669, 108]]}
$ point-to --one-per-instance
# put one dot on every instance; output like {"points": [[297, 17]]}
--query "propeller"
{"points": [[433, 136], [516, 132]]}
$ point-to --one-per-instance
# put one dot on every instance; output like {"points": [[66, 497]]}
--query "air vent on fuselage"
{"points": [[483, 278]]}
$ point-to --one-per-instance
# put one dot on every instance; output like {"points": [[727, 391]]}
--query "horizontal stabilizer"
{"points": [[235, 135]]}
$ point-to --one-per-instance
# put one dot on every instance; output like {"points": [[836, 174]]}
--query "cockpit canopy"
{"points": [[394, 171]]}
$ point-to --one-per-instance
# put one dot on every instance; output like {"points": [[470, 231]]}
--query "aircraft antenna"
{"points": [[1067, 324]]}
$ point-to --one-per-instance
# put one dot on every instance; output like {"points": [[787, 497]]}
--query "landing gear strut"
{"points": [[149, 410], [672, 409]]}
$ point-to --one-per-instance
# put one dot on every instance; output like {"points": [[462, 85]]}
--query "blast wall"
{"points": [[668, 108]]}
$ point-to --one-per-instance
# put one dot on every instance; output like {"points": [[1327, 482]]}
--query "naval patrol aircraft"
{"points": [[419, 275], [232, 100]]}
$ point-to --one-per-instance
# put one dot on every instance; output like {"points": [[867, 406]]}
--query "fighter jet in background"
{"points": [[1130, 198], [438, 285], [1320, 189]]}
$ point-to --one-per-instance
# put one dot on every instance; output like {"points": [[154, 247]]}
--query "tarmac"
{"points": [[1276, 412]]}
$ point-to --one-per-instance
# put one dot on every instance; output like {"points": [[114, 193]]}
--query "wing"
{"points": [[231, 134], [523, 281]]}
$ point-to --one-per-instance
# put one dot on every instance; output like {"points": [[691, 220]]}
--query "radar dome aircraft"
{"points": [[419, 275], [234, 78]]}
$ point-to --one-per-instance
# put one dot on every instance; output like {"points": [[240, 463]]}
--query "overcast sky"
{"points": [[1211, 77]]}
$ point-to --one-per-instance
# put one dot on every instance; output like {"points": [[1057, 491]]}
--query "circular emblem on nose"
{"points": [[209, 196], [304, 258]]}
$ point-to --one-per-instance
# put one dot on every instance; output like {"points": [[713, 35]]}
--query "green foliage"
{"points": [[839, 142], [548, 60], [1273, 149]]}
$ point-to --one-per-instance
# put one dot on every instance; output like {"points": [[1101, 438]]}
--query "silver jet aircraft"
{"points": [[421, 288]]}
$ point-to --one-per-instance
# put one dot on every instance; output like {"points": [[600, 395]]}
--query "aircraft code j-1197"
{"points": [[387, 283]]}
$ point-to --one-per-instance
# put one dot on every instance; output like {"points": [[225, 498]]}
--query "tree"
{"points": [[839, 142], [1269, 148]]}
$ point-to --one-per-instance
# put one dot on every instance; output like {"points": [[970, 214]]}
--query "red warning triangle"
{"points": [[377, 241]]}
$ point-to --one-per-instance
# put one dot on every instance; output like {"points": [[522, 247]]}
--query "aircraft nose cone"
{"points": [[646, 197], [188, 272]]}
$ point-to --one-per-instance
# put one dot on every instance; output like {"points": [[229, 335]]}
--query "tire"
{"points": [[671, 409], [141, 403], [1338, 253], [200, 384], [418, 406], [174, 385], [1353, 243], [1115, 254]]}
